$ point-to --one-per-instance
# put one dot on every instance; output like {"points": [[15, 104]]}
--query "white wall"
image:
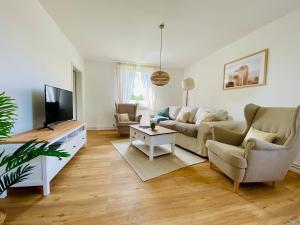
{"points": [[33, 52], [170, 94], [282, 37], [100, 93]]}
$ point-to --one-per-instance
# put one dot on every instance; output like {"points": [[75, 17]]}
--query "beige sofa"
{"points": [[193, 136], [258, 161]]}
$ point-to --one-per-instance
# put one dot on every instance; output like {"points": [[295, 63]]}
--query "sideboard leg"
{"points": [[4, 194], [46, 189]]}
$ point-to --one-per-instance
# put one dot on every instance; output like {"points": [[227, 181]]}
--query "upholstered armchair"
{"points": [[258, 161], [123, 127]]}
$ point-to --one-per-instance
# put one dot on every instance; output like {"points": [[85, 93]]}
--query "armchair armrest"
{"points": [[259, 145], [227, 136], [138, 118], [256, 144], [117, 119], [266, 161]]}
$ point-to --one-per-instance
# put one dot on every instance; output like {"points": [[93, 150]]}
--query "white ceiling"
{"points": [[127, 30]]}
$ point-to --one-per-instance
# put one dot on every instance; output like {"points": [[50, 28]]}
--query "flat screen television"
{"points": [[58, 105]]}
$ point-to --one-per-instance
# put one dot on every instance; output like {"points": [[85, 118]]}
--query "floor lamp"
{"points": [[187, 84]]}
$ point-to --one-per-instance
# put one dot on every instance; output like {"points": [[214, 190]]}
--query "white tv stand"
{"points": [[70, 135]]}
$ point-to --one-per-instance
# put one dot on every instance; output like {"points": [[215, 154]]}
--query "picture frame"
{"points": [[248, 71]]}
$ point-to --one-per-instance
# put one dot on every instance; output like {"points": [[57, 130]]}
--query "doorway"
{"points": [[77, 93]]}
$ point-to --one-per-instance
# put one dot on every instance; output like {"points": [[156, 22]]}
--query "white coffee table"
{"points": [[150, 142]]}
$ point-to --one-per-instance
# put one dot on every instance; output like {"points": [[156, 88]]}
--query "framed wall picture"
{"points": [[248, 71]]}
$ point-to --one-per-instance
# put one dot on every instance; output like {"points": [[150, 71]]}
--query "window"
{"points": [[138, 93], [134, 85]]}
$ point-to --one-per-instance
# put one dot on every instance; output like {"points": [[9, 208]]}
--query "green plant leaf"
{"points": [[29, 151], [21, 173], [7, 114]]}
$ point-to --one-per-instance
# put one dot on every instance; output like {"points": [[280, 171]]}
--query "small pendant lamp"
{"points": [[160, 78]]}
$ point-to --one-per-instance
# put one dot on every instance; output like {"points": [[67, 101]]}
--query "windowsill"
{"points": [[143, 108]]}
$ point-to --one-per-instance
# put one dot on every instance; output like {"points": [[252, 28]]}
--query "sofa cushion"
{"points": [[170, 124], [173, 112], [233, 155], [187, 129]]}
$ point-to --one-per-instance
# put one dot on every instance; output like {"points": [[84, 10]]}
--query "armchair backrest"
{"points": [[127, 108], [279, 120]]}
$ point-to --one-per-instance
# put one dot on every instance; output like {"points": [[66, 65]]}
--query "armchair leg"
{"points": [[273, 184], [210, 164], [236, 186]]}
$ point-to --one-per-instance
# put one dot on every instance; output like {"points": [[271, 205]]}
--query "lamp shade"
{"points": [[160, 78], [188, 84]]}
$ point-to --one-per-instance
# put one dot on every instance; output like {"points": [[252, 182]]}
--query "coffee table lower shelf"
{"points": [[158, 150]]}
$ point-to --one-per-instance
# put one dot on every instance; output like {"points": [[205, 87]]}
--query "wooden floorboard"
{"points": [[98, 187]]}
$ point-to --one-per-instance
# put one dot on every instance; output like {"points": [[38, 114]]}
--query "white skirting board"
{"points": [[296, 165], [295, 168]]}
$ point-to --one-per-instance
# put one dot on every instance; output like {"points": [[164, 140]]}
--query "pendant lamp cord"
{"points": [[161, 28]]}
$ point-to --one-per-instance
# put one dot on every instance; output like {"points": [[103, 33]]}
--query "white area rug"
{"points": [[160, 165], [295, 221]]}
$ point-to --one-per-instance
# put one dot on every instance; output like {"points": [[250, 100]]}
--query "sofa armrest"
{"points": [[227, 136], [138, 118], [227, 124], [205, 128]]}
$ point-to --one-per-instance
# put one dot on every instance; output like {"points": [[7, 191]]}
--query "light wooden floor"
{"points": [[99, 187]]}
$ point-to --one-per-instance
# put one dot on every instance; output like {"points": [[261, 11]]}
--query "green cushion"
{"points": [[163, 112]]}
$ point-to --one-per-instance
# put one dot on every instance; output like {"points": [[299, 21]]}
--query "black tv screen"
{"points": [[58, 105]]}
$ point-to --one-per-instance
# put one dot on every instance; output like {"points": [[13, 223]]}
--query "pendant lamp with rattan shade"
{"points": [[160, 78]]}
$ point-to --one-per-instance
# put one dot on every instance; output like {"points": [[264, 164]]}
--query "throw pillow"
{"points": [[163, 112], [221, 114], [192, 112], [183, 117], [260, 135], [173, 112], [206, 117], [123, 117], [198, 114]]}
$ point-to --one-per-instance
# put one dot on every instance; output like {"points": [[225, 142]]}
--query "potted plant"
{"points": [[152, 125], [16, 167]]}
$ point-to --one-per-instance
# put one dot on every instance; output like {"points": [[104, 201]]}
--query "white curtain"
{"points": [[150, 89], [125, 81]]}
